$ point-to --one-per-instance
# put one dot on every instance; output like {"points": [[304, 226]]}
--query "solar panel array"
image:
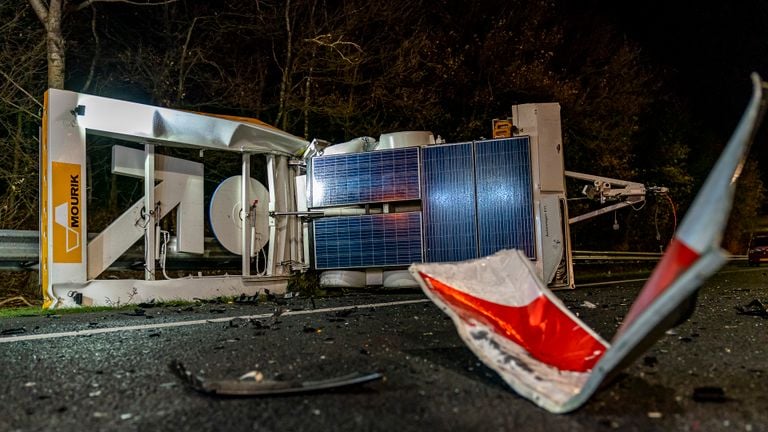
{"points": [[477, 199], [450, 228], [376, 240], [504, 196], [363, 178]]}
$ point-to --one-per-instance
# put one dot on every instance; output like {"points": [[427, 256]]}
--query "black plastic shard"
{"points": [[13, 331], [753, 308], [238, 387], [709, 394]]}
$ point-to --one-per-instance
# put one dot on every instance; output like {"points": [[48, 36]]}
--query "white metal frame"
{"points": [[69, 264]]}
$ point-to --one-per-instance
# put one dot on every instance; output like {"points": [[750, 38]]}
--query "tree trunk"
{"points": [[55, 43], [308, 93], [285, 82], [50, 16]]}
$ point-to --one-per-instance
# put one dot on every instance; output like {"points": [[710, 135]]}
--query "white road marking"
{"points": [[616, 282], [199, 322]]}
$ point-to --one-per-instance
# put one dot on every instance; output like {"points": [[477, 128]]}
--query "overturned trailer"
{"points": [[359, 212]]}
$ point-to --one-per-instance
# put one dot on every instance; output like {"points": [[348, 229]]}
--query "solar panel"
{"points": [[504, 196], [362, 178], [377, 240], [448, 203]]}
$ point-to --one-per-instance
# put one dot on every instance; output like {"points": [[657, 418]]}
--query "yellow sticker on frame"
{"points": [[67, 212]]}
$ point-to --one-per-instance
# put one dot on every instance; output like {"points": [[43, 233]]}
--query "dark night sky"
{"points": [[710, 48], [706, 51]]}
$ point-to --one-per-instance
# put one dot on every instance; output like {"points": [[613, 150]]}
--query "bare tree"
{"points": [[22, 71], [52, 17]]}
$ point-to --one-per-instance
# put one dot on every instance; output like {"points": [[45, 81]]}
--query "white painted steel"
{"points": [[245, 215], [181, 184], [150, 215], [146, 123], [67, 118]]}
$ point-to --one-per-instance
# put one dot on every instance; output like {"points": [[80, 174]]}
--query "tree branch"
{"points": [[337, 45], [40, 10], [10, 80], [87, 3], [96, 56], [184, 50], [22, 109]]}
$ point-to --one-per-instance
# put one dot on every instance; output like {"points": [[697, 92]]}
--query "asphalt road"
{"points": [[119, 380]]}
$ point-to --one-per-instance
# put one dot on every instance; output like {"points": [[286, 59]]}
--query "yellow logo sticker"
{"points": [[67, 213]]}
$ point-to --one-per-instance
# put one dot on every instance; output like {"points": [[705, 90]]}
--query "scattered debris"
{"points": [[253, 375], [250, 385], [342, 315], [270, 297], [588, 304], [136, 312], [238, 322], [345, 313], [245, 299], [275, 318], [654, 414], [709, 394], [753, 308], [13, 331], [147, 305], [650, 361]]}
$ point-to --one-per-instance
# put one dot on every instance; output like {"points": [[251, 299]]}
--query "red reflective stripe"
{"points": [[675, 261], [541, 328]]}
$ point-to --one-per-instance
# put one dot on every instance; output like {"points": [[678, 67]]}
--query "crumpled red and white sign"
{"points": [[518, 327]]}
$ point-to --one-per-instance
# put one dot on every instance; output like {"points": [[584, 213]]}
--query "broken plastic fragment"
{"points": [[709, 394], [247, 385], [753, 308], [13, 331]]}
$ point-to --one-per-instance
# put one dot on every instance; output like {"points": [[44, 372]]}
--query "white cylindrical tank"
{"points": [[398, 279], [405, 139], [356, 145]]}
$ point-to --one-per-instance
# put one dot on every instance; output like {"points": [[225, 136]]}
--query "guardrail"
{"points": [[20, 251], [629, 256]]}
